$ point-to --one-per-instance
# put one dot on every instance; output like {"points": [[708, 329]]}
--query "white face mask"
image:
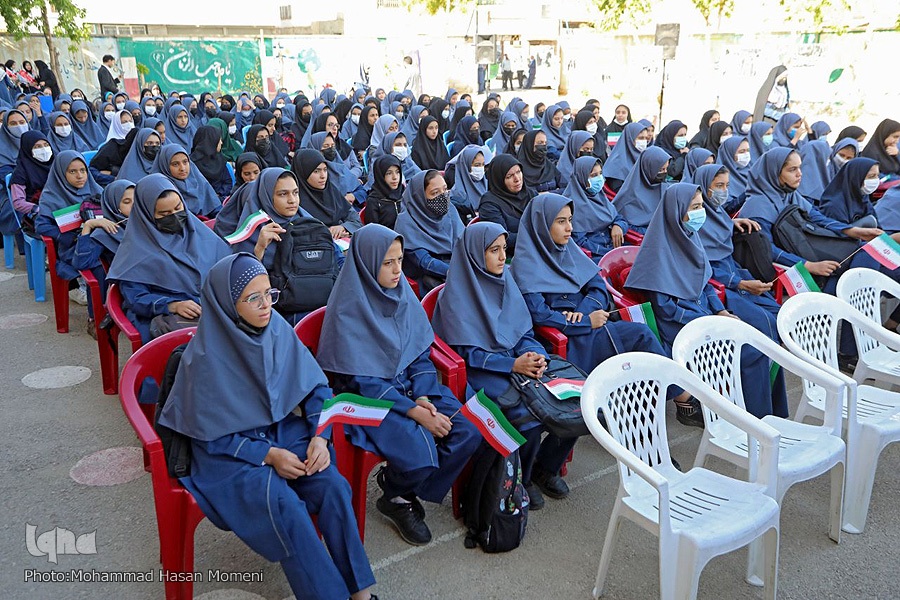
{"points": [[120, 105], [620, 121], [641, 145], [477, 173], [745, 128], [150, 109], [279, 105], [401, 152], [723, 138], [109, 114], [398, 116], [63, 130], [18, 130], [354, 119], [42, 154], [743, 159], [516, 147], [870, 185], [127, 126], [591, 128], [232, 129], [839, 161], [445, 113]]}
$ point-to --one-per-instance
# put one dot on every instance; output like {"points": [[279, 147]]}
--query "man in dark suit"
{"points": [[108, 83]]}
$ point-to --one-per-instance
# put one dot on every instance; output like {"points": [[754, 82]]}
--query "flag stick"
{"points": [[456, 413]]}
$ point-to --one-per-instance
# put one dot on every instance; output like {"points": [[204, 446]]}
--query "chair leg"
{"points": [[39, 273], [28, 269], [172, 551], [836, 507], [360, 487], [187, 587], [9, 251], [59, 287], [612, 533], [109, 360], [771, 561], [862, 460]]}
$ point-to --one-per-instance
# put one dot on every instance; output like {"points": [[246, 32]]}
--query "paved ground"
{"points": [[46, 432]]}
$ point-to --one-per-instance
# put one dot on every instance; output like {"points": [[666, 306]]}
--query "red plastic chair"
{"points": [[633, 238], [211, 223], [415, 287], [362, 215], [109, 358], [475, 219], [354, 463], [177, 513], [59, 288], [120, 324], [614, 268]]}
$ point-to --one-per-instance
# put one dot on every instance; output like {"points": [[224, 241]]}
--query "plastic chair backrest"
{"points": [[211, 223], [244, 131], [89, 156], [230, 168], [614, 267], [362, 215], [446, 137], [862, 289], [310, 328], [117, 314], [429, 302], [7, 180]]}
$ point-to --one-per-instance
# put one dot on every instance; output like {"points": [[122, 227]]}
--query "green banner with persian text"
{"points": [[196, 66]]}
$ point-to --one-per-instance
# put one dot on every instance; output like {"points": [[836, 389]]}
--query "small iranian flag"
{"points": [[343, 244], [246, 229], [353, 410], [612, 138], [797, 280], [641, 313], [564, 389], [885, 250], [492, 424], [68, 218]]}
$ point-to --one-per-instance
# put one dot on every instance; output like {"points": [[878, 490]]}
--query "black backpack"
{"points": [[495, 503], [753, 251], [561, 417], [176, 446], [305, 266], [794, 232]]}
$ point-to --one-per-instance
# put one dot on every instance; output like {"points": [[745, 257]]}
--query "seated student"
{"points": [[84, 126], [257, 466], [158, 126], [489, 116], [351, 125], [507, 125], [29, 177], [482, 315], [136, 113], [198, 195], [553, 125], [760, 137], [718, 133], [362, 139], [883, 147], [206, 156], [386, 123], [345, 153], [579, 143], [231, 150], [277, 193], [178, 125], [563, 290], [97, 242], [673, 270], [36, 122], [139, 161], [745, 296], [742, 122], [588, 119], [467, 132], [14, 128], [469, 183], [642, 190], [790, 131], [346, 180], [320, 197], [506, 198], [246, 170], [69, 184], [771, 188], [597, 225], [429, 151], [166, 253], [846, 198], [383, 202], [673, 139], [267, 119], [60, 134], [539, 172], [395, 143], [734, 155], [693, 160], [258, 140], [429, 228], [424, 439], [819, 130], [148, 107], [106, 114], [623, 156], [843, 151], [109, 158]]}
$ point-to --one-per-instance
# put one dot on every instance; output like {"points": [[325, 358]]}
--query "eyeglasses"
{"points": [[260, 299]]}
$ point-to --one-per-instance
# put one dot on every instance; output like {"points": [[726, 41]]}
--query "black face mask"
{"points": [[660, 177], [137, 120], [304, 118], [226, 107], [509, 130], [173, 223], [539, 115], [439, 205], [151, 151], [585, 153], [262, 146], [194, 111], [329, 153], [211, 113], [474, 136], [540, 152], [494, 112]]}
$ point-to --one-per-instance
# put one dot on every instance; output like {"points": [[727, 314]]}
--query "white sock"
{"points": [[400, 500]]}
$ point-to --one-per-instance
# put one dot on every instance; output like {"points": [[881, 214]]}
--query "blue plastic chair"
{"points": [[35, 255], [89, 156], [446, 137], [230, 168], [244, 132], [9, 249]]}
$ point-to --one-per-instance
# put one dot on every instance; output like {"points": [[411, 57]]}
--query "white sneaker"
{"points": [[79, 296]]}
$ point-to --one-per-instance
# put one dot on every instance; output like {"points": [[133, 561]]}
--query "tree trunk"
{"points": [[54, 55]]}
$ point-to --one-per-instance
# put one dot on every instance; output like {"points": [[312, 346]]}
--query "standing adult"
{"points": [[506, 68], [108, 83], [47, 79]]}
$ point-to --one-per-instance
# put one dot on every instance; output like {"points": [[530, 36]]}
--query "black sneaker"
{"points": [[691, 415], [550, 484], [535, 498], [409, 525], [411, 498]]}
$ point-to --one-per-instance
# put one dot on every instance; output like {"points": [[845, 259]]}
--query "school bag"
{"points": [[794, 232], [305, 266], [495, 503], [176, 446], [754, 252], [562, 417]]}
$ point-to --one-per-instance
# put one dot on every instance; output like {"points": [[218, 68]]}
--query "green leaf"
{"points": [[835, 75]]}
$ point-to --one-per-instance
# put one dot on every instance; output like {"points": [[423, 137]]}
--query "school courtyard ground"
{"points": [[55, 421]]}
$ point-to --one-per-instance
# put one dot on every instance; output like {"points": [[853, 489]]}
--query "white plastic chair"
{"points": [[696, 515], [862, 289], [713, 353], [808, 324]]}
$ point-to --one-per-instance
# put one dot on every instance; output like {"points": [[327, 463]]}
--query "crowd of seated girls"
{"points": [[510, 212]]}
